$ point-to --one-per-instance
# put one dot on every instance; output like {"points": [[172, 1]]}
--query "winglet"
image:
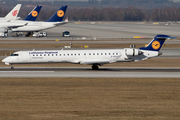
{"points": [[58, 16], [157, 42], [33, 14], [14, 12]]}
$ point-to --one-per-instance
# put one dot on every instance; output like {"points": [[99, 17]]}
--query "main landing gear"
{"points": [[12, 67], [95, 67]]}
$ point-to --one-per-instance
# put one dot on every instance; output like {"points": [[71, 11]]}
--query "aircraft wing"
{"points": [[60, 23], [100, 62], [16, 25]]}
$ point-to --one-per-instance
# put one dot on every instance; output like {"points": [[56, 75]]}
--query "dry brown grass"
{"points": [[89, 99], [76, 45]]}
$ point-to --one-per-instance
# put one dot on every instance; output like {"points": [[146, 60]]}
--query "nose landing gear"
{"points": [[12, 67]]}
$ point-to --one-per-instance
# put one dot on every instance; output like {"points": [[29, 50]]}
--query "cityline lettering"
{"points": [[43, 52]]}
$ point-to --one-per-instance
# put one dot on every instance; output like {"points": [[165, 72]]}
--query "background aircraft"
{"points": [[8, 25], [95, 57], [53, 21], [12, 15]]}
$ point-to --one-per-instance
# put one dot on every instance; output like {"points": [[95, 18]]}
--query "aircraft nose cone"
{"points": [[6, 61]]}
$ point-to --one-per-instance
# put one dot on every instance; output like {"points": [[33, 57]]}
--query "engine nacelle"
{"points": [[132, 52]]}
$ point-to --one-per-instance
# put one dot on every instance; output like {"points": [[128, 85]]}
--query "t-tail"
{"points": [[14, 12], [156, 43], [58, 16], [33, 14]]}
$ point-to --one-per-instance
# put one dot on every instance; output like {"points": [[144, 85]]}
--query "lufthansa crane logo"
{"points": [[156, 45], [34, 13], [60, 13]]}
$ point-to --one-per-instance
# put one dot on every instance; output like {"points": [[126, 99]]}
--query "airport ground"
{"points": [[90, 99], [93, 98]]}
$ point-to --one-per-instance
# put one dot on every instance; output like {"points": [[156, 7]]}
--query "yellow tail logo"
{"points": [[156, 45]]}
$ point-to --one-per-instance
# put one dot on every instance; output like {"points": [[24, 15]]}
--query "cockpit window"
{"points": [[14, 54]]}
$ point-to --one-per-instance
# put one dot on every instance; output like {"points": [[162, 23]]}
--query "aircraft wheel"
{"points": [[95, 67], [12, 68]]}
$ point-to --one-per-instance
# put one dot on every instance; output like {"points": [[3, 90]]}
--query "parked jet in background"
{"points": [[55, 20], [10, 24], [96, 57], [12, 15]]}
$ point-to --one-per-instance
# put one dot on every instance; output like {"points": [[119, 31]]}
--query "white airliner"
{"points": [[53, 21], [7, 24], [95, 57], [12, 15], [29, 25]]}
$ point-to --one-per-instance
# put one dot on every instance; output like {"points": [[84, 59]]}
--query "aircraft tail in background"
{"points": [[14, 12], [33, 14], [58, 16]]}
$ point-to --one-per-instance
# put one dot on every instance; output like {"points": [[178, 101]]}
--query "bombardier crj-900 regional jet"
{"points": [[96, 57]]}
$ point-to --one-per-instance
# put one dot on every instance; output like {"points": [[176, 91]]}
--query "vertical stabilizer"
{"points": [[58, 16], [157, 42], [14, 12], [33, 14]]}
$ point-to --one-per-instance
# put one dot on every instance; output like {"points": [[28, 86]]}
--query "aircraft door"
{"points": [[25, 56]]}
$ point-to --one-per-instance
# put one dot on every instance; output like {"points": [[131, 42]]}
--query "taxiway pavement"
{"points": [[101, 30], [88, 73]]}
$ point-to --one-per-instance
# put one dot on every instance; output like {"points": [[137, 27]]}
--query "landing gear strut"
{"points": [[95, 67], [12, 67]]}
